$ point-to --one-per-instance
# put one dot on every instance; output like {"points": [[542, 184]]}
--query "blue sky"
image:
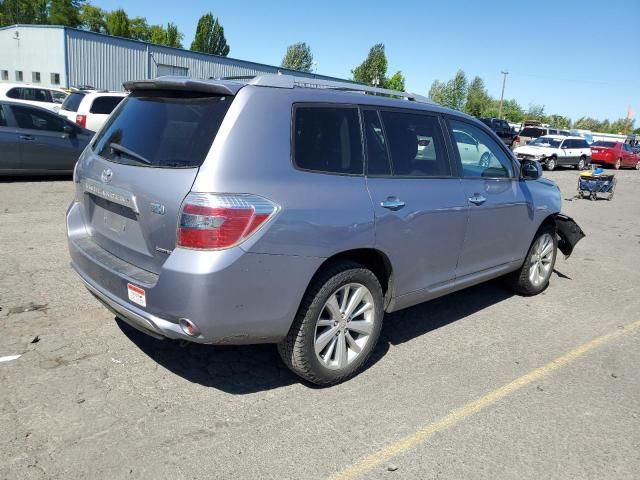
{"points": [[578, 58]]}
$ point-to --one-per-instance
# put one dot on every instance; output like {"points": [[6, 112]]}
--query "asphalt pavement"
{"points": [[479, 384]]}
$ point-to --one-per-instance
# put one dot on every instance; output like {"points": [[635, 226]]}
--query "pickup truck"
{"points": [[502, 129]]}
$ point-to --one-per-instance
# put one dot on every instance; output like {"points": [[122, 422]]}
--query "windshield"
{"points": [[531, 132], [546, 142], [600, 143], [162, 128]]}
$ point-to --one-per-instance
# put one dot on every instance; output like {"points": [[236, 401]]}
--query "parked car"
{"points": [[530, 133], [90, 109], [49, 98], [310, 242], [501, 128], [34, 140], [556, 150], [614, 154]]}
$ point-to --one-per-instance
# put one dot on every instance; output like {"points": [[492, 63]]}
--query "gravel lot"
{"points": [[90, 398]]}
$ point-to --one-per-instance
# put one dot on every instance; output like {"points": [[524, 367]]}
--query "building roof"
{"points": [[287, 71]]}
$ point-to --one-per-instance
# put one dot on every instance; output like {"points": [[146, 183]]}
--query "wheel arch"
{"points": [[373, 259]]}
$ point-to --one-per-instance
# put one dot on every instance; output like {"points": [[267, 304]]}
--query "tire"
{"points": [[618, 164], [581, 163], [551, 164], [307, 335], [638, 165], [524, 281]]}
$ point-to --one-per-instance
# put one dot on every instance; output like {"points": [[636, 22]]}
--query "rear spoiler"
{"points": [[219, 87]]}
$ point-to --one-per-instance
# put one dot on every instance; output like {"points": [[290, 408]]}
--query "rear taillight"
{"points": [[517, 140], [81, 120], [216, 221]]}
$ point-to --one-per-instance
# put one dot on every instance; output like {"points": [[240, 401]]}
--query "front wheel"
{"points": [[618, 164], [551, 164], [337, 325], [533, 277], [638, 165]]}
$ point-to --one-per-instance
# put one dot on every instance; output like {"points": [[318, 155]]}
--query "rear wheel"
{"points": [[618, 164], [551, 164], [638, 165], [337, 325], [581, 163], [533, 277]]}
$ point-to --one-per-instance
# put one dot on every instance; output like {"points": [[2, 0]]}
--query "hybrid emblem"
{"points": [[106, 176], [157, 208]]}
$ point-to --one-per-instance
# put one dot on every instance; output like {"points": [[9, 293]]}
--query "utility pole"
{"points": [[504, 80]]}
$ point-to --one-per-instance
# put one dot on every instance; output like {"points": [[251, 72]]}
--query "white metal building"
{"points": [[66, 57]]}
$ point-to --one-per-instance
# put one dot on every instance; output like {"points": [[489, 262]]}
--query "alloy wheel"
{"points": [[541, 260], [344, 326]]}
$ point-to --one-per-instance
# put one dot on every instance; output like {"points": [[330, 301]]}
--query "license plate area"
{"points": [[137, 295]]}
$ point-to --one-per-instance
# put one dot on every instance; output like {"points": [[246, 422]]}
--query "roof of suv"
{"points": [[333, 92]]}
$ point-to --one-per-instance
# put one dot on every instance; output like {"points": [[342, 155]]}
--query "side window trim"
{"points": [[443, 131], [374, 109], [500, 145], [297, 105]]}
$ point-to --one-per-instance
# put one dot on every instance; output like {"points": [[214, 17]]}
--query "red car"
{"points": [[614, 154]]}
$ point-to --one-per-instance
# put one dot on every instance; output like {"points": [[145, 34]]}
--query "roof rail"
{"points": [[290, 81]]}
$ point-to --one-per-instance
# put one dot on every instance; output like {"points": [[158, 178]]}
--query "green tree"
{"points": [[23, 11], [210, 36], [174, 36], [456, 91], [478, 99], [93, 18], [139, 29], [437, 92], [395, 82], [298, 57], [157, 34], [65, 12], [559, 121], [118, 23], [535, 112], [374, 68]]}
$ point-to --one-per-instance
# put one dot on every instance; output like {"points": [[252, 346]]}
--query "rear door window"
{"points": [[104, 105], [327, 139], [162, 128], [72, 102], [416, 145], [33, 119], [3, 119], [15, 93]]}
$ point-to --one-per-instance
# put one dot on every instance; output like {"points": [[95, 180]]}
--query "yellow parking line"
{"points": [[456, 416]]}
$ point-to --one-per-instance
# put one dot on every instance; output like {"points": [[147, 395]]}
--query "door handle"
{"points": [[392, 203], [28, 138], [477, 199]]}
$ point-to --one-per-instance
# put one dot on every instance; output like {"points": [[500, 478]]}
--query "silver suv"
{"points": [[227, 212]]}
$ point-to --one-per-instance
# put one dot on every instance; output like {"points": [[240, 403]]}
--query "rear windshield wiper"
{"points": [[116, 147]]}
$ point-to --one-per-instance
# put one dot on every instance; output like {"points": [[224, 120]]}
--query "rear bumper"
{"points": [[232, 296]]}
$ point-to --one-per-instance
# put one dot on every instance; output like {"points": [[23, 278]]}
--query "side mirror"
{"points": [[69, 130], [530, 170]]}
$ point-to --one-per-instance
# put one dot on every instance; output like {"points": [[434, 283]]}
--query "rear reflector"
{"points": [[217, 221], [81, 120]]}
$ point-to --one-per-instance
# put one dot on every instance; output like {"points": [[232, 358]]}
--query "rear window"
{"points": [[327, 139], [531, 132], [72, 102], [601, 143], [104, 105], [159, 128]]}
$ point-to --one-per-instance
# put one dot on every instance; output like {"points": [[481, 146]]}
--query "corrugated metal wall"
{"points": [[105, 62]]}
